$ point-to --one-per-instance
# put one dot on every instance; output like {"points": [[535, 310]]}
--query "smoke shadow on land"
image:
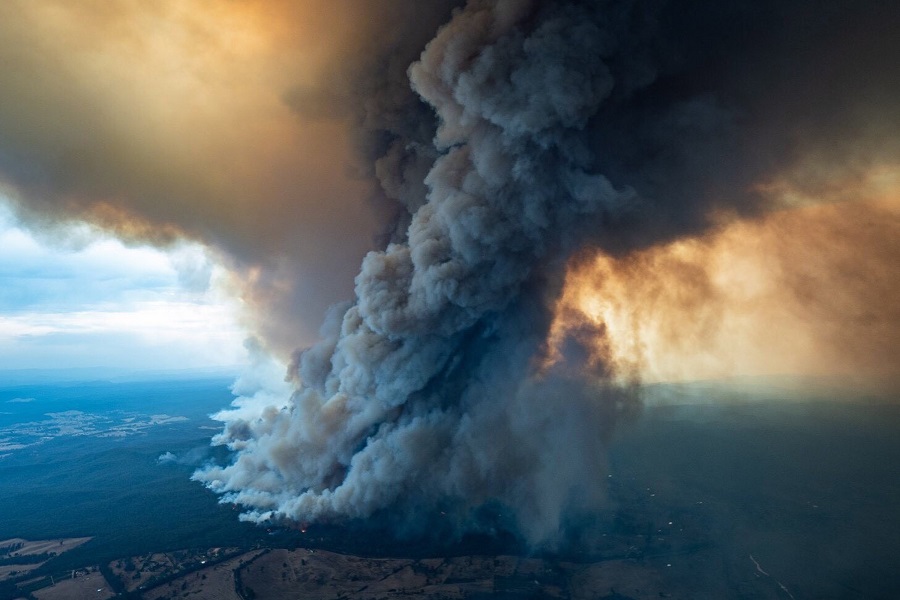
{"points": [[697, 486]]}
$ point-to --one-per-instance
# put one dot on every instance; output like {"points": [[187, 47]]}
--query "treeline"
{"points": [[26, 559], [193, 567], [11, 548], [9, 590]]}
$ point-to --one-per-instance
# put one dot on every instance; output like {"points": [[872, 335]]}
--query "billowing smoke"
{"points": [[492, 149], [416, 395], [234, 124], [560, 125]]}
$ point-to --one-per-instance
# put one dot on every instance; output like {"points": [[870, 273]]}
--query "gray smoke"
{"points": [[559, 125]]}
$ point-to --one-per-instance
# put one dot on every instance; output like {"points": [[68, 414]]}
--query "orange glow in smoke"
{"points": [[809, 290]]}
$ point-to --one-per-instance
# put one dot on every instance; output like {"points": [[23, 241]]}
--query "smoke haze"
{"points": [[478, 153], [170, 119], [799, 291]]}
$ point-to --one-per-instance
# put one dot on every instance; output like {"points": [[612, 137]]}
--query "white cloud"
{"points": [[106, 304]]}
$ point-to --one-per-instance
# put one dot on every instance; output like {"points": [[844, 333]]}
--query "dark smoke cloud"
{"points": [[560, 124]]}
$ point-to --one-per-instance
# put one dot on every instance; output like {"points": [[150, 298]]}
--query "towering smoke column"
{"points": [[561, 124], [420, 392]]}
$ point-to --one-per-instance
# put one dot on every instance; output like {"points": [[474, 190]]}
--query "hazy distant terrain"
{"points": [[735, 498], [112, 461]]}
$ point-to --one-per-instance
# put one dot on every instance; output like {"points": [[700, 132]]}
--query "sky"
{"points": [[471, 229], [88, 301]]}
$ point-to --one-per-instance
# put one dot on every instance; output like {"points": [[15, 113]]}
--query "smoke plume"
{"points": [[560, 125], [473, 150], [416, 394]]}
